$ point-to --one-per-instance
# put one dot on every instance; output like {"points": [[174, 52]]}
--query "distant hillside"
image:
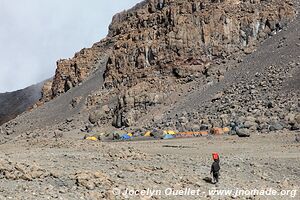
{"points": [[14, 103]]}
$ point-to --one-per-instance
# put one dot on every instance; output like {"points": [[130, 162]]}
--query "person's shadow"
{"points": [[208, 180]]}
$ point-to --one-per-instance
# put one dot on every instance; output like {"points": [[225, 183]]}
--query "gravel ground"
{"points": [[71, 168]]}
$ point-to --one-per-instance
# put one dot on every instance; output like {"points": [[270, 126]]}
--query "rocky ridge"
{"points": [[72, 72]]}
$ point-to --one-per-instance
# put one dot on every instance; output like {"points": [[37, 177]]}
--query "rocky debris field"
{"points": [[71, 168], [260, 104], [261, 93]]}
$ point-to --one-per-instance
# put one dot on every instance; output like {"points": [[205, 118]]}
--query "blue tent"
{"points": [[125, 137], [168, 136]]}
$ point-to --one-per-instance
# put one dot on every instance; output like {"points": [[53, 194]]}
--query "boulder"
{"points": [[103, 114], [195, 127], [275, 127], [290, 118], [261, 120], [225, 120], [95, 116], [130, 118], [204, 127], [295, 127], [250, 125], [91, 180], [243, 132]]}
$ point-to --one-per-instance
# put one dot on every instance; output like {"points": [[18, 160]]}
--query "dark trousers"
{"points": [[215, 177]]}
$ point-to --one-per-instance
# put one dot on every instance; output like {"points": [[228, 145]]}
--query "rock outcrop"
{"points": [[181, 38], [158, 45], [72, 72]]}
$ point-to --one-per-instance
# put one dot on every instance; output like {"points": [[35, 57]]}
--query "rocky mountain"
{"points": [[173, 38], [14, 103], [178, 64]]}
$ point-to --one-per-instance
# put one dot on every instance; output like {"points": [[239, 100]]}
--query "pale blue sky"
{"points": [[36, 33]]}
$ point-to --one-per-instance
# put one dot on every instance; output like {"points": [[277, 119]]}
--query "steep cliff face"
{"points": [[168, 37], [159, 44]]}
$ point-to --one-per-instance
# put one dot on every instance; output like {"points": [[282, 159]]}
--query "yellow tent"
{"points": [[148, 134], [91, 138], [226, 130], [169, 132]]}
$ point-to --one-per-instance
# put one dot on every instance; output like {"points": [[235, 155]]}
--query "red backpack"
{"points": [[215, 156]]}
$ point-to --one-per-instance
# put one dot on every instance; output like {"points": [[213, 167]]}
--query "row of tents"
{"points": [[156, 134]]}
